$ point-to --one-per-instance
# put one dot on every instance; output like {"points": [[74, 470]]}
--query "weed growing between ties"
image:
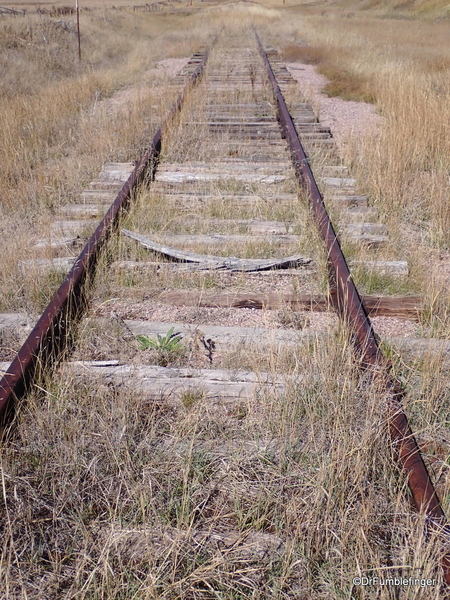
{"points": [[166, 348]]}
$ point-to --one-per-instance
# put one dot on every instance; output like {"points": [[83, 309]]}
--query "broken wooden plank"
{"points": [[219, 262], [11, 11], [408, 307], [391, 268], [221, 239], [143, 266]]}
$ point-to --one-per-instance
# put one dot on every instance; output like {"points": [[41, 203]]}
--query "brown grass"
{"points": [[310, 55], [346, 84], [343, 82]]}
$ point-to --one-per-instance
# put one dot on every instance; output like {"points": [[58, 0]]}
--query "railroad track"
{"points": [[213, 205]]}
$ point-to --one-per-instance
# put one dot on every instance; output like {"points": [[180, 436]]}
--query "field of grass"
{"points": [[106, 496]]}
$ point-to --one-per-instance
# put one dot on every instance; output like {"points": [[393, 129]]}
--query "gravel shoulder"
{"points": [[347, 119]]}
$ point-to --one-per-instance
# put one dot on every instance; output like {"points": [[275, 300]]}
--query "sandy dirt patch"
{"points": [[171, 66]]}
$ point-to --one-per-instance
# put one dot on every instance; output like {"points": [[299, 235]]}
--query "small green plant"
{"points": [[167, 347], [168, 342], [191, 397]]}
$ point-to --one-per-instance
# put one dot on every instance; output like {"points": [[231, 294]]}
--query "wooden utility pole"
{"points": [[77, 8]]}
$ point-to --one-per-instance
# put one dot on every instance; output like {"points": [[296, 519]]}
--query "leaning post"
{"points": [[77, 9]]}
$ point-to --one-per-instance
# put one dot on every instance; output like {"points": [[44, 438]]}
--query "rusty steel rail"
{"points": [[350, 308], [52, 332]]}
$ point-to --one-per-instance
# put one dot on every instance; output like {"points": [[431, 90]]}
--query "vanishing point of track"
{"points": [[52, 333]]}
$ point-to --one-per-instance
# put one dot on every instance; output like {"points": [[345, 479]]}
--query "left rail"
{"points": [[52, 332]]}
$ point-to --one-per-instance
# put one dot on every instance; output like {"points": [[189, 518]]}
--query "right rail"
{"points": [[349, 306]]}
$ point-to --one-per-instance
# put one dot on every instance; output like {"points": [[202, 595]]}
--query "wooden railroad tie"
{"points": [[403, 307]]}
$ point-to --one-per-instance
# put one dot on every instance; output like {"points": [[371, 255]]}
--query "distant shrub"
{"points": [[311, 55], [59, 11]]}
